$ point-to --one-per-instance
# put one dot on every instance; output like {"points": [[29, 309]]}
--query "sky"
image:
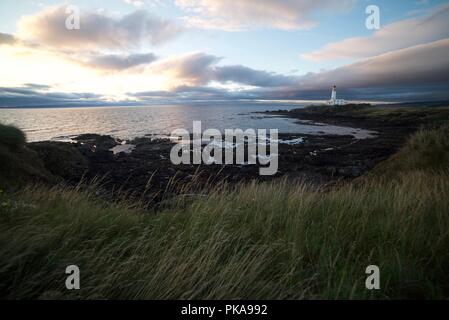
{"points": [[168, 51]]}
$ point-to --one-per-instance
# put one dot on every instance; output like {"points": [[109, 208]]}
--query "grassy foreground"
{"points": [[258, 241]]}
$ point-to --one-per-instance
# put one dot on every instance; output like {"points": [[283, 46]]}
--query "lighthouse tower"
{"points": [[334, 93], [334, 101]]}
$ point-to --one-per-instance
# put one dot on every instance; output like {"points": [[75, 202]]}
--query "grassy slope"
{"points": [[425, 150], [40, 162], [433, 116], [272, 240], [18, 164]]}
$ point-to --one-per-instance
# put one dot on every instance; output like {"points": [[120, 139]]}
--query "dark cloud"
{"points": [[423, 70], [406, 93], [416, 73], [419, 65], [30, 97]]}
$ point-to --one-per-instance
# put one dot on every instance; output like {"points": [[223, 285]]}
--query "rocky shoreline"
{"points": [[146, 169]]}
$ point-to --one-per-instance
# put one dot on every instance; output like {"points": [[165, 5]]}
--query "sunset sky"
{"points": [[165, 51]]}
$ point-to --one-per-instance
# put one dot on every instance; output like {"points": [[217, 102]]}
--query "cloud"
{"points": [[37, 86], [189, 69], [416, 70], [117, 62], [416, 73], [97, 30], [394, 36], [189, 94], [92, 59], [31, 95], [249, 14], [422, 64], [6, 38], [184, 93], [198, 69], [251, 77]]}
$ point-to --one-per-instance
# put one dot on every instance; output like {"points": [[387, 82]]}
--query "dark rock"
{"points": [[96, 142], [61, 159]]}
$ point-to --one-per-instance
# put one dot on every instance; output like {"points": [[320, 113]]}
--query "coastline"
{"points": [[146, 170], [172, 217], [320, 160]]}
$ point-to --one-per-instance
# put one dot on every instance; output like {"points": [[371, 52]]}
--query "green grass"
{"points": [[426, 150], [276, 240]]}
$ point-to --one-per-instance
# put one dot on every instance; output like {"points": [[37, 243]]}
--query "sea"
{"points": [[128, 122]]}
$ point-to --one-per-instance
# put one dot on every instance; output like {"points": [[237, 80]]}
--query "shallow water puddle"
{"points": [[123, 148]]}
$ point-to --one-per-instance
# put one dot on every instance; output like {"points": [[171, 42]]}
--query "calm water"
{"points": [[129, 122]]}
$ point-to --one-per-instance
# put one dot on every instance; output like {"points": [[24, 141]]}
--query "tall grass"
{"points": [[427, 150], [277, 240]]}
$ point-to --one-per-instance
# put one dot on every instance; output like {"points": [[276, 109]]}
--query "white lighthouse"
{"points": [[334, 101]]}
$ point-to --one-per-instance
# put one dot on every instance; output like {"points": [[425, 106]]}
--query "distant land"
{"points": [[228, 102]]}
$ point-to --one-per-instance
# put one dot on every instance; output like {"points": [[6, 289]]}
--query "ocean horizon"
{"points": [[128, 122]]}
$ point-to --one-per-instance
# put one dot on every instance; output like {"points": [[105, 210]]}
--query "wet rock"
{"points": [[96, 142]]}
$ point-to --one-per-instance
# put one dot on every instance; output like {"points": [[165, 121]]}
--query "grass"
{"points": [[277, 240], [41, 162], [388, 114], [18, 163], [426, 150]]}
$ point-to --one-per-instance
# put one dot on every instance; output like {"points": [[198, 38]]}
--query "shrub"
{"points": [[11, 137]]}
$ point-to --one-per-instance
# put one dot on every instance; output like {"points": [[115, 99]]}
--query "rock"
{"points": [[96, 141], [61, 159]]}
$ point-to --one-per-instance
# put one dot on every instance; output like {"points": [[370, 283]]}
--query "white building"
{"points": [[334, 101]]}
